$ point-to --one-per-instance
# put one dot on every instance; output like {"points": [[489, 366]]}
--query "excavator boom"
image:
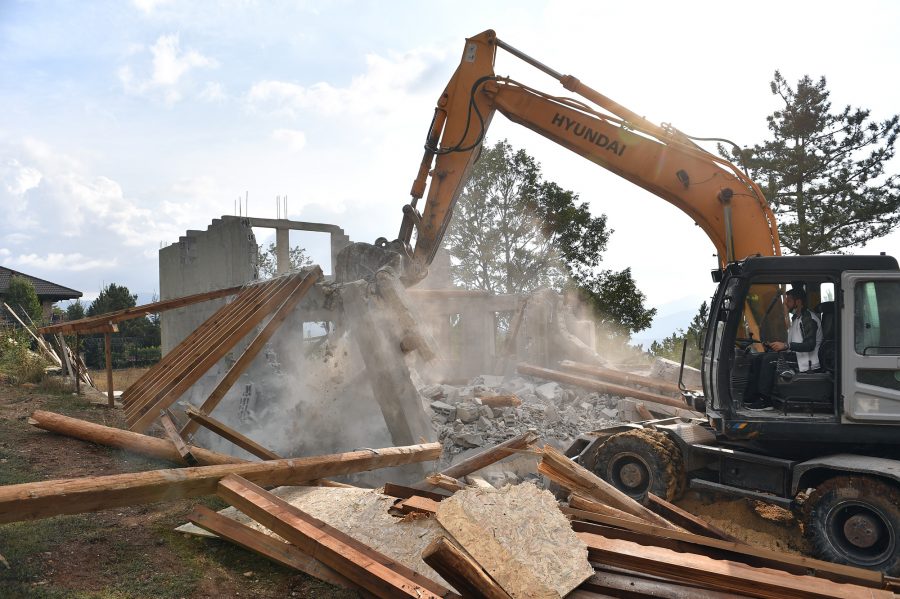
{"points": [[716, 194]]}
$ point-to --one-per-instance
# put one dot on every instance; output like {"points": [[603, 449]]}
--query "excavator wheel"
{"points": [[855, 520], [641, 461]]}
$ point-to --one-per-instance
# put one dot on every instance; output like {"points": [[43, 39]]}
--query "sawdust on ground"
{"points": [[759, 524]]}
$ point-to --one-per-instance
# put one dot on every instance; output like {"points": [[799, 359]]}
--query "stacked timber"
{"points": [[454, 540]]}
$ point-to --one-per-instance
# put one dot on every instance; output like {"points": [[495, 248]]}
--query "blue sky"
{"points": [[126, 123]]}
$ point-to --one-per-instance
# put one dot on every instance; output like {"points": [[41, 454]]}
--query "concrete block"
{"points": [[548, 391], [467, 412], [668, 370]]}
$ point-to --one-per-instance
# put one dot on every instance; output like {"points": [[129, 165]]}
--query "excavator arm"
{"points": [[716, 194]]}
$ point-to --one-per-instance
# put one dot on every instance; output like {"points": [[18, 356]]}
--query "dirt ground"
{"points": [[134, 552], [120, 553]]}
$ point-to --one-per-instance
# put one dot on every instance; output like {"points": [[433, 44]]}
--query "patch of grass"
{"points": [[23, 542]]}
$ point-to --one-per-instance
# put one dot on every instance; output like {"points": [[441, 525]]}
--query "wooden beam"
{"points": [[136, 395], [229, 434], [491, 455], [255, 347], [113, 437], [107, 349], [266, 545], [566, 473], [179, 362], [719, 574], [461, 571], [31, 501], [618, 584], [416, 503], [172, 431], [402, 492], [595, 385], [206, 354], [442, 481], [617, 376], [90, 324], [754, 556], [686, 520], [582, 507], [364, 566]]}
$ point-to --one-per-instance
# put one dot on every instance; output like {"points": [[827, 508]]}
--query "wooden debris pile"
{"points": [[449, 541]]}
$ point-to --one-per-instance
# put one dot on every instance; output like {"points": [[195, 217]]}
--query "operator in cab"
{"points": [[802, 346]]}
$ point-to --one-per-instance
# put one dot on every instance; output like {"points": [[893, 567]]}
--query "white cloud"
{"points": [[293, 139], [148, 6], [4, 253], [75, 262], [387, 84], [169, 65], [212, 92]]}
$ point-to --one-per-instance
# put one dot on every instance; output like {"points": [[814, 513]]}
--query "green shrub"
{"points": [[17, 362]]}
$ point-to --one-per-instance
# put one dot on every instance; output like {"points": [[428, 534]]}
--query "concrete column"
{"points": [[282, 251]]}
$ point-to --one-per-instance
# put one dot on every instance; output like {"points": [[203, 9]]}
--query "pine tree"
{"points": [[824, 173]]}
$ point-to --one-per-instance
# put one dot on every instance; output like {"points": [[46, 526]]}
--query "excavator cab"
{"points": [[807, 401]]}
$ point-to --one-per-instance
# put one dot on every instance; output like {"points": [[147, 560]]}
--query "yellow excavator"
{"points": [[827, 447]]}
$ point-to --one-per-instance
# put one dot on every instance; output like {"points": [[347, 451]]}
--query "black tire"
{"points": [[641, 461], [855, 520]]}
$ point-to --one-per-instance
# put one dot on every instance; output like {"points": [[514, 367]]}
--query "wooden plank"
{"points": [[461, 571], [402, 492], [31, 501], [172, 432], [217, 322], [582, 507], [88, 325], [206, 355], [687, 521], [755, 556], [624, 585], [123, 439], [107, 349], [722, 575], [241, 315], [229, 434], [491, 455], [595, 385], [442, 481], [422, 505], [574, 477], [617, 376], [134, 396], [369, 569], [266, 545], [255, 346], [64, 348]]}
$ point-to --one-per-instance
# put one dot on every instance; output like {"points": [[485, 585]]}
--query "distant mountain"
{"points": [[669, 318]]}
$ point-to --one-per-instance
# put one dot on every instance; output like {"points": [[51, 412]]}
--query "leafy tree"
{"points": [[671, 347], [267, 262], [75, 310], [824, 172], [21, 296], [514, 232], [143, 332]]}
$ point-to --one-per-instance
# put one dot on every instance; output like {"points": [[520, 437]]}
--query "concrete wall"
{"points": [[224, 255]]}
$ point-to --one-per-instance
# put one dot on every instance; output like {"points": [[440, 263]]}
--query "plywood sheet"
{"points": [[519, 536], [360, 513]]}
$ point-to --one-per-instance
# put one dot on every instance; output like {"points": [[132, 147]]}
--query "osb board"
{"points": [[520, 538], [360, 513]]}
